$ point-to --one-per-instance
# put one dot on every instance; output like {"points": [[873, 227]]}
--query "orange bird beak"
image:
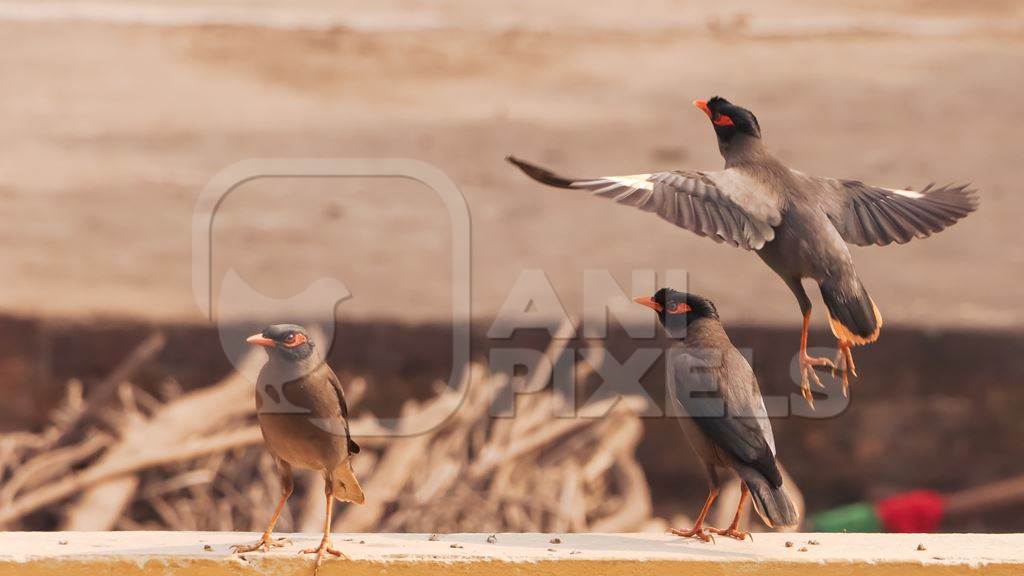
{"points": [[260, 340], [649, 302], [703, 105]]}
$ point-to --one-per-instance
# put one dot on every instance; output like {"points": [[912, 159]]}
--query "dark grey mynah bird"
{"points": [[302, 412], [715, 394], [798, 224]]}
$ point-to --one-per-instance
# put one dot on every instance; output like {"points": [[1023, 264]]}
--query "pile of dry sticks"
{"points": [[121, 458]]}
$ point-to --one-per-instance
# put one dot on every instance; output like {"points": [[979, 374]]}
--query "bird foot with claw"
{"points": [[845, 367], [807, 375], [732, 533], [265, 544], [695, 532], [324, 547]]}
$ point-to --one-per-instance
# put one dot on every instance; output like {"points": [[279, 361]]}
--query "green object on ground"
{"points": [[859, 517]]}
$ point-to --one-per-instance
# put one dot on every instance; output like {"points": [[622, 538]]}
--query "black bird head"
{"points": [[287, 341], [676, 310], [729, 120]]}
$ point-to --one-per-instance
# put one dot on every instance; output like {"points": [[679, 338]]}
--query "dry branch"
{"points": [[146, 351]]}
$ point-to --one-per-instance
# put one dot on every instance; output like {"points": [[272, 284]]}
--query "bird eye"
{"points": [[671, 307], [289, 338]]}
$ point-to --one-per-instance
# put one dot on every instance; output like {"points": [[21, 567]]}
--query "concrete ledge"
{"points": [[206, 553]]}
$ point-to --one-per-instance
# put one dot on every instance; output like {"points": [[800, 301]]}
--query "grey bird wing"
{"points": [[871, 215], [726, 206], [717, 388], [353, 448]]}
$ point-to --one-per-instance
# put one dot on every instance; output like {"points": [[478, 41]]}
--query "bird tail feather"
{"points": [[852, 314], [346, 485], [773, 503]]}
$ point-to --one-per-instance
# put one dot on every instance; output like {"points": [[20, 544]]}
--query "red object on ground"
{"points": [[919, 511]]}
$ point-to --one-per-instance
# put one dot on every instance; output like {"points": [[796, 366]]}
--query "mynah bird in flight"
{"points": [[716, 397], [302, 413], [798, 224]]}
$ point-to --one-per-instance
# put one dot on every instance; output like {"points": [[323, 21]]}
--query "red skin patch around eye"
{"points": [[723, 120], [680, 309], [296, 341]]}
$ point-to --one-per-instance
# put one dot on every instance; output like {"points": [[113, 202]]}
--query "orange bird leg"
{"points": [[733, 530], [325, 542], [266, 542], [698, 527], [807, 364], [844, 365]]}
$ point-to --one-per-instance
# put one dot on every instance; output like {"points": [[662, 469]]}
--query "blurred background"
{"points": [[122, 409]]}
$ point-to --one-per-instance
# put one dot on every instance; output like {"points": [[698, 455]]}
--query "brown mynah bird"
{"points": [[714, 393], [798, 224], [302, 412]]}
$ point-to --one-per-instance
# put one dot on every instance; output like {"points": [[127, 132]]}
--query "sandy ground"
{"points": [[116, 118]]}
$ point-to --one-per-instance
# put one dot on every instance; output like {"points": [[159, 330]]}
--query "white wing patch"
{"points": [[766, 424], [906, 193], [633, 183]]}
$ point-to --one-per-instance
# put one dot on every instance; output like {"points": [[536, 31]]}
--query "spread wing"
{"points": [[353, 448], [866, 215], [719, 391], [727, 206]]}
